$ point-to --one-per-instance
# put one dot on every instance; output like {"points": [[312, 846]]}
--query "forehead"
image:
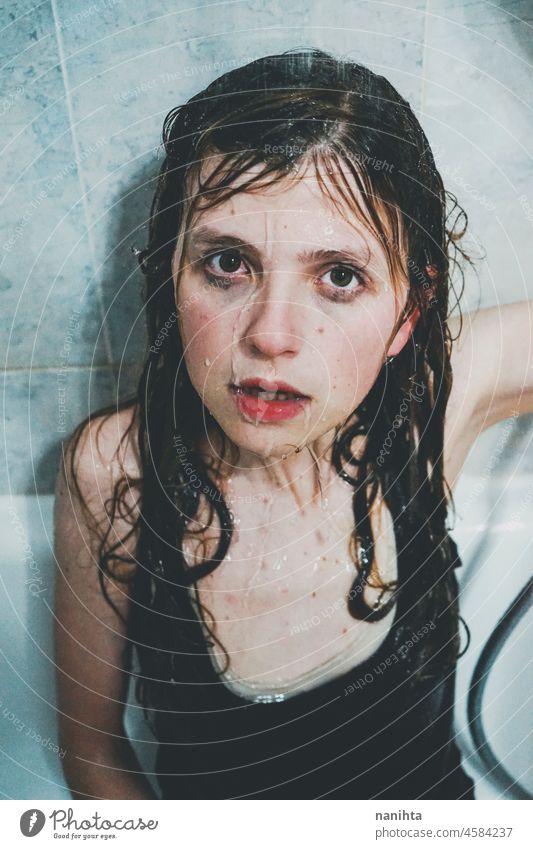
{"points": [[305, 203]]}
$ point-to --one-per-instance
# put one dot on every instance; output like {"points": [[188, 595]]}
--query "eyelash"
{"points": [[335, 293]]}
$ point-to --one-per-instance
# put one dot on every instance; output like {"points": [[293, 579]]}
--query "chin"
{"points": [[277, 441], [265, 440]]}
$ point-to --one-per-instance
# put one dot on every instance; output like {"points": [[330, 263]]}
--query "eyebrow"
{"points": [[210, 238]]}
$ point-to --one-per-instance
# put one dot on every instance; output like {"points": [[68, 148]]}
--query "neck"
{"points": [[303, 475]]}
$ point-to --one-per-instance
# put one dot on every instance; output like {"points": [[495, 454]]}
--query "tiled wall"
{"points": [[84, 92]]}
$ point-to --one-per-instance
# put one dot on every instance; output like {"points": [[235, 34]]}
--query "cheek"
{"points": [[350, 375], [353, 357], [205, 337], [195, 329]]}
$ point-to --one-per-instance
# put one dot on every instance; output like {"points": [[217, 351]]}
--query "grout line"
{"points": [[71, 368], [83, 188], [424, 61]]}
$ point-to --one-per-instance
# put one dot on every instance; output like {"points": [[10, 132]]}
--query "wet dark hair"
{"points": [[277, 111]]}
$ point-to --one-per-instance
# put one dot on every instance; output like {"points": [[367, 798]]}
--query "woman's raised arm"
{"points": [[492, 363], [92, 653], [494, 353]]}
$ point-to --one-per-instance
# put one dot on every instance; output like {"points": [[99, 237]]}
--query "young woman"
{"points": [[265, 523]]}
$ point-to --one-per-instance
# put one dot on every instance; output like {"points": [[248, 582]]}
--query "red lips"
{"points": [[267, 400]]}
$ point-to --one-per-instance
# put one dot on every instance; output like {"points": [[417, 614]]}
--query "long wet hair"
{"points": [[277, 111]]}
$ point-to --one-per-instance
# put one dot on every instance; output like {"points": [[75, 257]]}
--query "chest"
{"points": [[278, 603]]}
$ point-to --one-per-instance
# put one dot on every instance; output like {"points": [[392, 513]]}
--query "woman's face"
{"points": [[281, 293]]}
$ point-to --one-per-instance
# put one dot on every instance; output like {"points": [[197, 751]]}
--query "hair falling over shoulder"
{"points": [[274, 111]]}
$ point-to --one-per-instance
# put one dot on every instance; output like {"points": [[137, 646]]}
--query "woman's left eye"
{"points": [[342, 276], [229, 263]]}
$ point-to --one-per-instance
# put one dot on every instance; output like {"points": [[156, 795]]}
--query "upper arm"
{"points": [[92, 653], [497, 351], [492, 362]]}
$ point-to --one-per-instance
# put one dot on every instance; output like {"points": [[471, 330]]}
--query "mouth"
{"points": [[268, 390], [268, 401]]}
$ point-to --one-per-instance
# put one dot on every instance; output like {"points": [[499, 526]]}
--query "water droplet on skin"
{"points": [[207, 362]]}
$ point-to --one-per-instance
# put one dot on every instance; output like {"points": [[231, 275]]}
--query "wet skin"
{"points": [[270, 304]]}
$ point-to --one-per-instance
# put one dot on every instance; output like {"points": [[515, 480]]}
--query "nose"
{"points": [[270, 326]]}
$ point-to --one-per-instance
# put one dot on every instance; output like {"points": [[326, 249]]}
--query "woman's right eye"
{"points": [[221, 266]]}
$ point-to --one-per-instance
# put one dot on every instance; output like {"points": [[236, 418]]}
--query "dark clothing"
{"points": [[383, 730]]}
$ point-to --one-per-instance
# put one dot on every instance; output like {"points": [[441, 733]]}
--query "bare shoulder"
{"points": [[106, 447], [101, 454]]}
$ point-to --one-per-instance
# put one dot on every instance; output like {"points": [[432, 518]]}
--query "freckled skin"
{"points": [[277, 322]]}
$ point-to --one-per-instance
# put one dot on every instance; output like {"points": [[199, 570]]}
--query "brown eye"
{"points": [[229, 261], [224, 268], [341, 276]]}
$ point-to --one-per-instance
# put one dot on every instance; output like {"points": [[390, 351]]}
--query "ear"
{"points": [[404, 333]]}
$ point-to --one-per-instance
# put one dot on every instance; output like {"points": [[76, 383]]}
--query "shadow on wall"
{"points": [[121, 338], [521, 33]]}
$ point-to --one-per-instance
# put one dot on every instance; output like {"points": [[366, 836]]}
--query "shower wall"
{"points": [[83, 96]]}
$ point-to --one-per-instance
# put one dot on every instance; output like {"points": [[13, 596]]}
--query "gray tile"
{"points": [[477, 107], [45, 255], [122, 227], [46, 287], [41, 408], [477, 84]]}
